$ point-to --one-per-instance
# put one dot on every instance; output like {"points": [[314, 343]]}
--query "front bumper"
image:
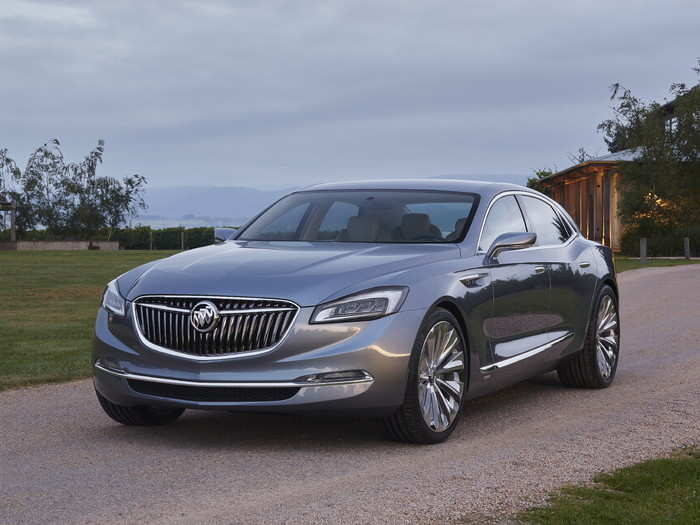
{"points": [[381, 347]]}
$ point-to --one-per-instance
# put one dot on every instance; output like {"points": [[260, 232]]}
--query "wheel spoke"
{"points": [[434, 408], [609, 324], [424, 398], [453, 388], [608, 354], [449, 344], [610, 340], [603, 312], [439, 341], [603, 364], [446, 409], [455, 363]]}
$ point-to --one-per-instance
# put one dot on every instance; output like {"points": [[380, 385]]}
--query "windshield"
{"points": [[366, 216]]}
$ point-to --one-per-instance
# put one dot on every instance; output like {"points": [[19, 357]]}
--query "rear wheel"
{"points": [[595, 366], [139, 415], [436, 383]]}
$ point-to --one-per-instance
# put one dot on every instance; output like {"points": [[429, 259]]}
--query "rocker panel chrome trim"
{"points": [[525, 355]]}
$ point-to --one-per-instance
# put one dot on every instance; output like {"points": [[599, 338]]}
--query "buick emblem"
{"points": [[204, 316]]}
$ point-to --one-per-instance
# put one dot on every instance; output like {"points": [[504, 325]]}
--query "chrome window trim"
{"points": [[224, 357], [544, 199], [229, 384], [525, 355]]}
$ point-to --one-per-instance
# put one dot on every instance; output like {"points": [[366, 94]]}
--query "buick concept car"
{"points": [[398, 299]]}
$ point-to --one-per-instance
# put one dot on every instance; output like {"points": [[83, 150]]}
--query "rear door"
{"points": [[520, 286]]}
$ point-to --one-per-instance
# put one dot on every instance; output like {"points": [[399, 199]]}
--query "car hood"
{"points": [[306, 273]]}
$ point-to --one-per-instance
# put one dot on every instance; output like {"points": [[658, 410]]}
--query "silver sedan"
{"points": [[398, 299]]}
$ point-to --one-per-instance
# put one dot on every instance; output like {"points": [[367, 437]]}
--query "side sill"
{"points": [[525, 355]]}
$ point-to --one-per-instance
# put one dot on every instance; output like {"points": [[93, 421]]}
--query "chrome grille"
{"points": [[245, 325]]}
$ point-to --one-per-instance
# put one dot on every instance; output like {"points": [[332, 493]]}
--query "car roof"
{"points": [[483, 188]]}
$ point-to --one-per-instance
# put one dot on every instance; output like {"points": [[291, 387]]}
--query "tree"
{"points": [[580, 156], [8, 173], [68, 198], [660, 190], [534, 182]]}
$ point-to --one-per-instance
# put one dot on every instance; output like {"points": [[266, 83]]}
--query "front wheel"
{"points": [[139, 415], [595, 366], [436, 383]]}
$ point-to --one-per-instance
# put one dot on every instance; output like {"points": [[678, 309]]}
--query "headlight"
{"points": [[112, 299], [369, 304]]}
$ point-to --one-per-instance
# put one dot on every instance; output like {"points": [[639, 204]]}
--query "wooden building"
{"points": [[589, 191]]}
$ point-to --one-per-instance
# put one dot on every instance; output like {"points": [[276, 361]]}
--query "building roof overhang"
{"points": [[605, 161]]}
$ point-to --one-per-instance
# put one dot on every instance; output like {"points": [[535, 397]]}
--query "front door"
{"points": [[520, 313]]}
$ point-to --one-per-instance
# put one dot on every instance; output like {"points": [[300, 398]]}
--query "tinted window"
{"points": [[447, 216], [366, 216], [504, 217], [336, 220], [547, 224]]}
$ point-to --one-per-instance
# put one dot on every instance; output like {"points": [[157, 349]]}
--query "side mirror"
{"points": [[223, 234], [510, 241]]}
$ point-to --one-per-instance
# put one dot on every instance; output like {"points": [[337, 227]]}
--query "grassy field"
{"points": [[48, 302], [628, 263], [47, 308], [657, 491]]}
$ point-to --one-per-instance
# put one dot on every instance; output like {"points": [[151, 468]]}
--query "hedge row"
{"points": [[138, 238]]}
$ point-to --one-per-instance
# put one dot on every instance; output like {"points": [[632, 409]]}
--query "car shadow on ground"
{"points": [[270, 432]]}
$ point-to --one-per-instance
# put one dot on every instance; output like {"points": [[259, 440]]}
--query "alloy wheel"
{"points": [[441, 376], [606, 336]]}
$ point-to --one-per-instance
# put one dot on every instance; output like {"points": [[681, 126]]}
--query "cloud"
{"points": [[283, 93]]}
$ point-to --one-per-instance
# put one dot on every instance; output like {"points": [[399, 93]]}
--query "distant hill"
{"points": [[204, 205], [230, 205]]}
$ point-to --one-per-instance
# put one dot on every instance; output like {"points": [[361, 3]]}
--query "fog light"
{"points": [[346, 376]]}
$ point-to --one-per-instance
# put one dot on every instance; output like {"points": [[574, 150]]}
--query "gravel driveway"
{"points": [[63, 461]]}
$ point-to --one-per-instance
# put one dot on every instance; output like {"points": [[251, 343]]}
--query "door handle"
{"points": [[539, 269]]}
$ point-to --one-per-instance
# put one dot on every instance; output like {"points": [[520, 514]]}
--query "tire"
{"points": [[139, 415], [584, 370], [408, 423]]}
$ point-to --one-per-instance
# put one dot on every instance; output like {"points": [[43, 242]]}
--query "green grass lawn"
{"points": [[48, 302], [628, 263], [657, 491]]}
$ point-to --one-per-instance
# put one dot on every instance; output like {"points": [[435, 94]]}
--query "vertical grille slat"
{"points": [[266, 330], [165, 324]]}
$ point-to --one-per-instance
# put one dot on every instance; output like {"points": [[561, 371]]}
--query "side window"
{"points": [[547, 224], [504, 217], [336, 220]]}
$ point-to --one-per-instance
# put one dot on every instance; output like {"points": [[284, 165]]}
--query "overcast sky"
{"points": [[285, 93]]}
